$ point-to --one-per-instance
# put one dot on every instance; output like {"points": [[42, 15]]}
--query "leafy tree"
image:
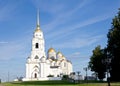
{"points": [[96, 62], [113, 47]]}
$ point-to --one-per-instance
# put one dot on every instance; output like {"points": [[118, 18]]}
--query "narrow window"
{"points": [[35, 75], [36, 45]]}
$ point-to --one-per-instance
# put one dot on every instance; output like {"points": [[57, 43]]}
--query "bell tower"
{"points": [[35, 65], [38, 47]]}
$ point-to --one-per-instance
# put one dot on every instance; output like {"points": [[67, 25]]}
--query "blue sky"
{"points": [[74, 27]]}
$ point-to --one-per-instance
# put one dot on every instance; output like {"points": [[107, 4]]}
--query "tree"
{"points": [[113, 47], [96, 62]]}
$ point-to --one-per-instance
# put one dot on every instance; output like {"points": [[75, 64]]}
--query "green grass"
{"points": [[56, 83]]}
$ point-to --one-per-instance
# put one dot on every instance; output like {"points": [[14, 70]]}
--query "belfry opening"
{"points": [[36, 45]]}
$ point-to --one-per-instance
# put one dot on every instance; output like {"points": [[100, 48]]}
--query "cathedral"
{"points": [[40, 66]]}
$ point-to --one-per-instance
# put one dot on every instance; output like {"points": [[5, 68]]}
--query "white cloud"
{"points": [[15, 49], [58, 11], [64, 31], [75, 55], [47, 5], [3, 42], [10, 50], [78, 43], [78, 59]]}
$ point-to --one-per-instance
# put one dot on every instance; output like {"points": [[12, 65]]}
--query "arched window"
{"points": [[36, 45]]}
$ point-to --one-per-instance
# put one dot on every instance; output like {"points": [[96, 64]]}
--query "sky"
{"points": [[74, 27]]}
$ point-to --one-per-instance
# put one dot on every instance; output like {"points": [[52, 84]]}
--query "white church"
{"points": [[40, 66]]}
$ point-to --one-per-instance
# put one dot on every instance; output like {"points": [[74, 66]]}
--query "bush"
{"points": [[65, 77]]}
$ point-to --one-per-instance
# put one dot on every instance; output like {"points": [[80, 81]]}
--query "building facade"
{"points": [[40, 66]]}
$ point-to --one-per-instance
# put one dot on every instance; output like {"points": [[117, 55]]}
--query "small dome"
{"points": [[59, 53], [51, 50]]}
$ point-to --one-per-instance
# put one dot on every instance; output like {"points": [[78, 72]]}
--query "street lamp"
{"points": [[107, 62], [86, 69], [78, 75]]}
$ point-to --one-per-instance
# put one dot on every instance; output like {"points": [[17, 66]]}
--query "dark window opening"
{"points": [[36, 45], [35, 75]]}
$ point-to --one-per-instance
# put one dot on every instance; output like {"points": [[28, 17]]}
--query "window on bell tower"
{"points": [[36, 45]]}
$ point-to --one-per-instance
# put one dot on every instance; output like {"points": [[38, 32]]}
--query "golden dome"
{"points": [[51, 50]]}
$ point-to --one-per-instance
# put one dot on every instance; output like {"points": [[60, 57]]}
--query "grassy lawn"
{"points": [[55, 83]]}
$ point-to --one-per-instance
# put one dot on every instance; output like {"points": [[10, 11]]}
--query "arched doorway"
{"points": [[35, 75]]}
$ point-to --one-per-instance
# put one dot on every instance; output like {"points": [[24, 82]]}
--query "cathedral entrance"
{"points": [[35, 76]]}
